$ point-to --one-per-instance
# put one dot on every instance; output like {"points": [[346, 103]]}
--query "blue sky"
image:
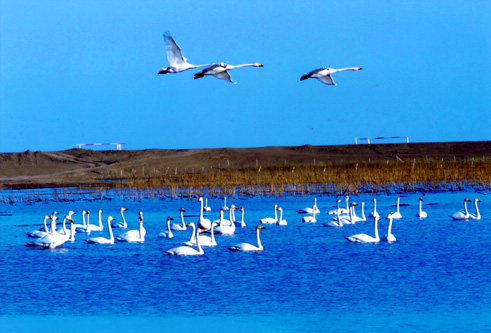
{"points": [[86, 72]]}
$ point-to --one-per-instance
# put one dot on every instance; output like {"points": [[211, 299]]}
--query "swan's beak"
{"points": [[259, 65], [359, 68], [478, 200]]}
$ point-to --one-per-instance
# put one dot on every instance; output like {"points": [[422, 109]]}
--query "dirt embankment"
{"points": [[81, 166]]}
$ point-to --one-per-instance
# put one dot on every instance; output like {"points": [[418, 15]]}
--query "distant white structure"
{"points": [[382, 138], [118, 144]]}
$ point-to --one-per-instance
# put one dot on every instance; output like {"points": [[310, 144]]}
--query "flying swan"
{"points": [[220, 71], [324, 74]]}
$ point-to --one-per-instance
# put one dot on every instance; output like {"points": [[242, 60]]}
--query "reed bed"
{"points": [[332, 179]]}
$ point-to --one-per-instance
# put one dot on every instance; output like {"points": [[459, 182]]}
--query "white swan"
{"points": [[397, 214], [421, 214], [220, 71], [362, 218], [462, 215], [167, 233], [476, 216], [204, 240], [341, 210], [270, 220], [309, 210], [82, 227], [186, 250], [123, 224], [324, 74], [178, 63], [374, 213], [92, 227], [53, 239], [335, 223], [203, 223], [310, 219], [280, 220], [40, 233], [241, 224], [250, 247], [225, 207], [389, 237], [224, 229], [103, 240], [182, 226], [207, 208], [350, 219], [364, 238], [134, 235]]}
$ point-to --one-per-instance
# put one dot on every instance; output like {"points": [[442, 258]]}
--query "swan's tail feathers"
{"points": [[305, 77], [199, 75]]}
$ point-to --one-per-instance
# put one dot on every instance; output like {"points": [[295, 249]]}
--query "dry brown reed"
{"points": [[334, 178]]}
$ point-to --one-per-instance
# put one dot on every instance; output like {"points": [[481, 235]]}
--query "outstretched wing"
{"points": [[327, 79], [174, 53], [224, 76]]}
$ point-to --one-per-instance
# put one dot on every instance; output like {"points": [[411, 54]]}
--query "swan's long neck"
{"points": [[229, 67], [45, 224], [169, 231], [200, 250], [347, 206], [100, 220], [124, 220], [376, 228], [231, 214], [281, 217], [465, 208], [65, 231], [201, 211], [477, 210], [83, 218], [193, 234], [242, 221], [351, 213], [111, 236], [141, 229], [389, 230], [363, 211], [72, 232], [259, 245], [333, 70], [182, 220], [313, 210], [398, 205], [275, 213], [212, 233], [420, 207], [337, 204], [221, 218], [374, 206]]}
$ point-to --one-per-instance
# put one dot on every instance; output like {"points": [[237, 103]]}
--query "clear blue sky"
{"points": [[86, 72]]}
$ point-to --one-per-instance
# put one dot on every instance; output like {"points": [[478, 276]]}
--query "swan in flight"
{"points": [[203, 223], [341, 210], [103, 240], [186, 250], [309, 210], [220, 71], [116, 224], [421, 214], [462, 215], [364, 238], [182, 226], [204, 240], [280, 220], [476, 216], [374, 213], [324, 74], [167, 233], [397, 214], [389, 237], [40, 233], [310, 219], [250, 247], [134, 235], [271, 220], [207, 208], [178, 63]]}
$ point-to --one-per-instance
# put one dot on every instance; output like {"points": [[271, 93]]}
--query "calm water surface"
{"points": [[308, 278]]}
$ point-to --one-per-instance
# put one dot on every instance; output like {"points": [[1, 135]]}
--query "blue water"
{"points": [[309, 278]]}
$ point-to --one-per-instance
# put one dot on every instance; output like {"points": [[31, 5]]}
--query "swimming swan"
{"points": [[341, 210], [241, 223], [134, 235], [203, 223], [53, 239], [397, 214], [178, 63], [207, 208], [389, 237], [167, 233], [186, 250], [40, 233], [280, 220], [374, 213], [103, 240], [462, 215], [364, 238], [220, 71], [476, 216], [224, 229], [116, 224], [250, 247], [309, 210], [204, 240], [324, 74], [336, 223], [182, 226], [310, 219], [270, 220], [421, 214]]}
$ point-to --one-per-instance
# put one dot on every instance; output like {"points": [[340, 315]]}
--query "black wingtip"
{"points": [[304, 77], [198, 75]]}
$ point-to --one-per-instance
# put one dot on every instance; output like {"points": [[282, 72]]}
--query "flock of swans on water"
{"points": [[50, 237], [178, 63]]}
